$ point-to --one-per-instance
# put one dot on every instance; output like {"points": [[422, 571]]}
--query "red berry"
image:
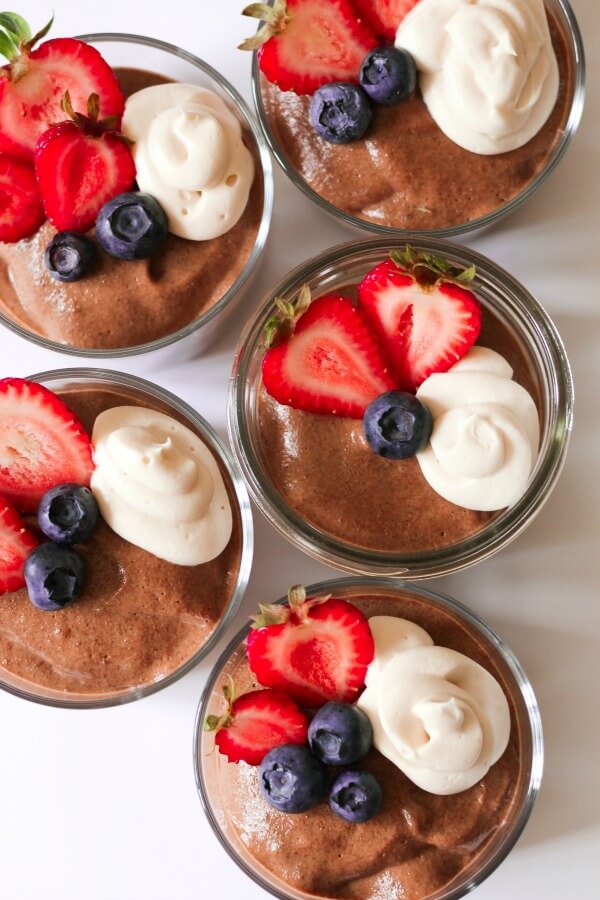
{"points": [[315, 650], [80, 164], [42, 443], [330, 364], [311, 44], [21, 210], [34, 83], [256, 723], [384, 16], [423, 327], [16, 543]]}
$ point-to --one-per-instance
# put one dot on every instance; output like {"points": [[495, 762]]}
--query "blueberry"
{"points": [[397, 425], [340, 112], [355, 796], [388, 75], [54, 575], [68, 513], [291, 779], [131, 226], [69, 256], [340, 734]]}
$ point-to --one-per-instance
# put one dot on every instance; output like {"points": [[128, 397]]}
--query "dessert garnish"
{"points": [[488, 71], [397, 425], [388, 75], [255, 723], [340, 734], [158, 485], [355, 796], [314, 649], [16, 543], [305, 44], [330, 361], [21, 210], [69, 256], [384, 16], [485, 435], [190, 155], [42, 444], [439, 716], [80, 163], [34, 83], [131, 226], [422, 312], [68, 514], [54, 575], [340, 112], [291, 779]]}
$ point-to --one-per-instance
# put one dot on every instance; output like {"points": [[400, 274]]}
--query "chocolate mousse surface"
{"points": [[419, 842], [405, 173], [323, 468], [138, 618], [125, 303]]}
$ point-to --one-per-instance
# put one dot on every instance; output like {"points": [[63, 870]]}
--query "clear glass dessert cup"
{"points": [[169, 61], [138, 391], [209, 763], [569, 31], [537, 338]]}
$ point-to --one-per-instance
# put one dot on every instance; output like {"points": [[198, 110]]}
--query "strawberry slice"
{"points": [[305, 44], [80, 164], [16, 543], [384, 16], [34, 82], [425, 320], [21, 210], [330, 363], [315, 650], [42, 443], [255, 723]]}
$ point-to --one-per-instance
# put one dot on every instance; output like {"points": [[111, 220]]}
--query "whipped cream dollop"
{"points": [[158, 486], [189, 154], [488, 71], [436, 714], [485, 434]]}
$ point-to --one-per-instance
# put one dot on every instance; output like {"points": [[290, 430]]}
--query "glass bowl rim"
{"points": [[217, 447], [331, 586], [572, 124], [261, 237]]}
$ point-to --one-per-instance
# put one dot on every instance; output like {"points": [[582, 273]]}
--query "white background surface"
{"points": [[102, 805]]}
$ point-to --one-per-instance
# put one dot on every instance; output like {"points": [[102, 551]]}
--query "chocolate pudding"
{"points": [[419, 842], [323, 468], [126, 303], [138, 618], [405, 173]]}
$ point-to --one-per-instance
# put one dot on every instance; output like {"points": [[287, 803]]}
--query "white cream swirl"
{"points": [[436, 714], [488, 71], [485, 433], [158, 486], [189, 154]]}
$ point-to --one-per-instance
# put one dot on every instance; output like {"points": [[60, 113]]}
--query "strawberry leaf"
{"points": [[428, 269], [15, 27], [282, 323]]}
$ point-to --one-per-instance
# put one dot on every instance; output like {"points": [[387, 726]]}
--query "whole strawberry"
{"points": [[80, 164], [34, 82], [315, 649]]}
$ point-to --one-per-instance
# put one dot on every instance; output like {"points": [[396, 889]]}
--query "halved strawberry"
{"points": [[384, 16], [330, 363], [42, 443], [34, 82], [425, 320], [305, 44], [16, 543], [21, 210], [255, 723], [80, 164], [315, 650]]}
